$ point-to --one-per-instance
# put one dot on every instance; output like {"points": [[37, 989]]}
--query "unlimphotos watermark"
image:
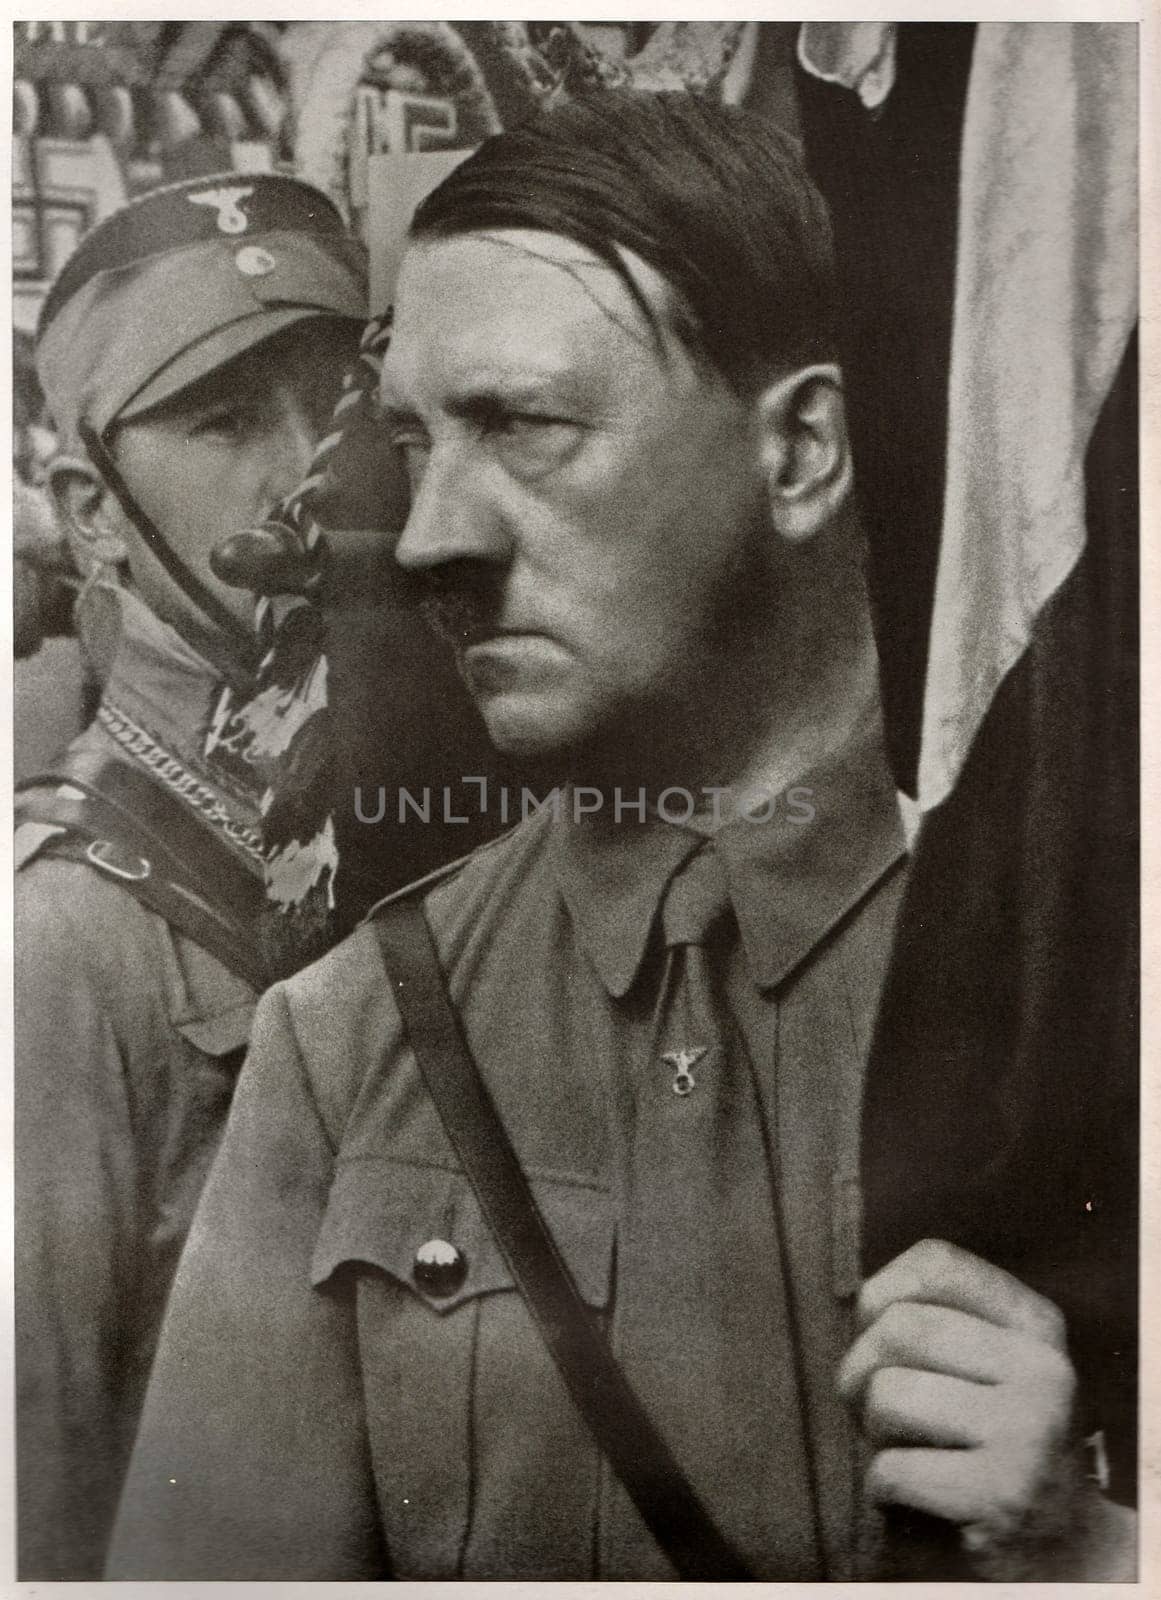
{"points": [[476, 797]]}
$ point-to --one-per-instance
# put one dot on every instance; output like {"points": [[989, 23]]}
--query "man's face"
{"points": [[588, 516], [219, 456]]}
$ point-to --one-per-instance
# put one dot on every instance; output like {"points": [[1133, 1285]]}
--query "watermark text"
{"points": [[475, 797]]}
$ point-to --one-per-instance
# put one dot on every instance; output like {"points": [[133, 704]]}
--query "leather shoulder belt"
{"points": [[600, 1390], [123, 824]]}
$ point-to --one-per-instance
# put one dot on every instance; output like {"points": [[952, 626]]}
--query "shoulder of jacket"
{"points": [[421, 887], [86, 927], [30, 839]]}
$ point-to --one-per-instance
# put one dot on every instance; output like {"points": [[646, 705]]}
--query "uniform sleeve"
{"points": [[251, 1461], [76, 1230]]}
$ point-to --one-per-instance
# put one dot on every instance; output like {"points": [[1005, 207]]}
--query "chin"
{"points": [[523, 740], [530, 731]]}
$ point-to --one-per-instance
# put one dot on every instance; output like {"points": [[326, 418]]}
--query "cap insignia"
{"points": [[254, 262], [231, 217]]}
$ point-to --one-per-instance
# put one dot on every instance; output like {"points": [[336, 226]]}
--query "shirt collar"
{"points": [[829, 840]]}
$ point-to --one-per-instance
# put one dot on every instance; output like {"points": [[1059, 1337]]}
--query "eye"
{"points": [[537, 440], [229, 421], [407, 436], [526, 422], [410, 440]]}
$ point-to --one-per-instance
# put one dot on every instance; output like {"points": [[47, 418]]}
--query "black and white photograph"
{"points": [[575, 717]]}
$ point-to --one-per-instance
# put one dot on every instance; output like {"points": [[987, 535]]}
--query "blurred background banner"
{"points": [[106, 110], [396, 184]]}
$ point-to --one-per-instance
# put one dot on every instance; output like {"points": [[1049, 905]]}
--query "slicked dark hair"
{"points": [[715, 198]]}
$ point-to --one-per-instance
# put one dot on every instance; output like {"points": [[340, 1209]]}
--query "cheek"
{"points": [[633, 558], [194, 500], [672, 529], [682, 469], [209, 495]]}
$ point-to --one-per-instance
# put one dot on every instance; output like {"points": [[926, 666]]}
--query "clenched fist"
{"points": [[961, 1379]]}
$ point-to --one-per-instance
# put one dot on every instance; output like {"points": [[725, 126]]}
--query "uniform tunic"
{"points": [[128, 1042], [316, 1412]]}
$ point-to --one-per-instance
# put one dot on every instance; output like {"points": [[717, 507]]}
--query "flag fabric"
{"points": [[986, 238], [1045, 302]]}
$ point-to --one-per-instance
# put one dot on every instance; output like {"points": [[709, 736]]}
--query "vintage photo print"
{"points": [[577, 858]]}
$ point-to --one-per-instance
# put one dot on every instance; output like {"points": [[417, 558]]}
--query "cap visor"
{"points": [[215, 350]]}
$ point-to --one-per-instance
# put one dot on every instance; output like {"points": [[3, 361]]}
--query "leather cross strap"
{"points": [[175, 904], [171, 863], [146, 809], [602, 1394]]}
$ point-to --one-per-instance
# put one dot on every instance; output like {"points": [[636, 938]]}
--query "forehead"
{"points": [[513, 301]]}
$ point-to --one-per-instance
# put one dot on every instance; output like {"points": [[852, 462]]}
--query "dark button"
{"points": [[439, 1268]]}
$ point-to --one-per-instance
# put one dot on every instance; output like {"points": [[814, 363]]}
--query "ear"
{"points": [[87, 514], [806, 456]]}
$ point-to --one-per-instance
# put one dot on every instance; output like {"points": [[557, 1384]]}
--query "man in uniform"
{"points": [[612, 377], [190, 351]]}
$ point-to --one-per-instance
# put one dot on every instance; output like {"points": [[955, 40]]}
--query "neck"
{"points": [[800, 734]]}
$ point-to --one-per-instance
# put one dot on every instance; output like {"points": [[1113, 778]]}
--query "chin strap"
{"points": [[236, 663]]}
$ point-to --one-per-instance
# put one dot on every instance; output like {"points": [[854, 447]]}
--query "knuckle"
{"points": [[883, 1406], [893, 1324], [938, 1251], [848, 1377], [1040, 1318], [882, 1480], [936, 1260], [879, 1388], [1050, 1319], [1054, 1371], [864, 1303], [1064, 1387]]}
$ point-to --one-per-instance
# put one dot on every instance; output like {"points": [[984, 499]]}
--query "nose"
{"points": [[453, 517], [293, 446]]}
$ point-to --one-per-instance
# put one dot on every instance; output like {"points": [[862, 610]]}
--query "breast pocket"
{"points": [[482, 1466]]}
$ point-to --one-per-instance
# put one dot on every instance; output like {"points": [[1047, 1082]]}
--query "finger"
{"points": [[954, 1484], [903, 1406], [932, 1338], [939, 1273]]}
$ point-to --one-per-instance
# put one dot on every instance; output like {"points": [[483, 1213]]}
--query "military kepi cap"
{"points": [[182, 280]]}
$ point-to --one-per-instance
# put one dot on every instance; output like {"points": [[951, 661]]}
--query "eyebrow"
{"points": [[473, 401]]}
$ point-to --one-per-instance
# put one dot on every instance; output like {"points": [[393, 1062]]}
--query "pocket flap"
{"points": [[383, 1213]]}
